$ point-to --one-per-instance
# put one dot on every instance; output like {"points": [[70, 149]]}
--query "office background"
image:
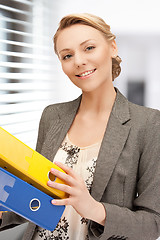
{"points": [[31, 75]]}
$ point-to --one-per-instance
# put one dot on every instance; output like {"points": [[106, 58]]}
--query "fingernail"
{"points": [[53, 201], [50, 183]]}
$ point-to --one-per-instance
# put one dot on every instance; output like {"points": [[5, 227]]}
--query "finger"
{"points": [[59, 186], [66, 169], [63, 176], [60, 202]]}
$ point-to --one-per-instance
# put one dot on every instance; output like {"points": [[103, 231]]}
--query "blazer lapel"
{"points": [[112, 145], [58, 129]]}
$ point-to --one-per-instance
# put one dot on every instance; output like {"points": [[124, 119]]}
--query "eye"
{"points": [[67, 57], [89, 48]]}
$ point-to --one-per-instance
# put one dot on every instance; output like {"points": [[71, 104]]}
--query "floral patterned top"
{"points": [[83, 160]]}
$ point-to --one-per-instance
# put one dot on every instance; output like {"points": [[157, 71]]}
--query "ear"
{"points": [[114, 49]]}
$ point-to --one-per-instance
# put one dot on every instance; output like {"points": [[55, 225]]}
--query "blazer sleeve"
{"points": [[10, 219], [143, 222], [41, 131], [49, 116]]}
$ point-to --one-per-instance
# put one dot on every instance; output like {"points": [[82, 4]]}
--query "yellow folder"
{"points": [[27, 164]]}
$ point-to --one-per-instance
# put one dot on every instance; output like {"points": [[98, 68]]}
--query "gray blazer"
{"points": [[127, 175]]}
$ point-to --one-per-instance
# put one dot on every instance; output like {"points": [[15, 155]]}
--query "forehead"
{"points": [[76, 34]]}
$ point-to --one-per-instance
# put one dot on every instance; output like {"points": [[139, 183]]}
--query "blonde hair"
{"points": [[95, 22]]}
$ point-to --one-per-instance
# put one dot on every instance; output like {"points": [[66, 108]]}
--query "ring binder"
{"points": [[27, 164], [28, 201]]}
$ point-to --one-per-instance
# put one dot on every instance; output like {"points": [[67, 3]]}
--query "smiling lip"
{"points": [[86, 73]]}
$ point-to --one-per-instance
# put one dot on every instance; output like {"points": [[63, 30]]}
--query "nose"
{"points": [[79, 59]]}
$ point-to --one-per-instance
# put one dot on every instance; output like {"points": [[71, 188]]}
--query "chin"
{"points": [[89, 90]]}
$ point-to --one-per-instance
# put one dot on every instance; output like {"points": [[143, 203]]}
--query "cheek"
{"points": [[106, 60], [67, 69], [64, 68], [103, 57], [105, 66]]}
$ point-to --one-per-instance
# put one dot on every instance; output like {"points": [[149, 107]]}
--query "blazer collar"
{"points": [[112, 144], [120, 108]]}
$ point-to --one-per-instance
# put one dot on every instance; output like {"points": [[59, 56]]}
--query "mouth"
{"points": [[86, 73]]}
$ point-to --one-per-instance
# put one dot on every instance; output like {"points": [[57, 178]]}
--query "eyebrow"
{"points": [[67, 49]]}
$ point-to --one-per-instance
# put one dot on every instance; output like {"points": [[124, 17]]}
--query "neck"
{"points": [[98, 102]]}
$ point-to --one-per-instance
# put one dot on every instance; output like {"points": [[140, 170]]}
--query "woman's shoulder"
{"points": [[61, 109], [145, 122], [143, 113], [139, 115]]}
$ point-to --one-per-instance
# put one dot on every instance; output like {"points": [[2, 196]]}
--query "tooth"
{"points": [[86, 73]]}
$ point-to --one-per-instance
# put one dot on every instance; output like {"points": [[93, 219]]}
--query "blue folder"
{"points": [[27, 201], [2, 208]]}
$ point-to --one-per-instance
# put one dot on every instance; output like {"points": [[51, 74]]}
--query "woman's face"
{"points": [[86, 56]]}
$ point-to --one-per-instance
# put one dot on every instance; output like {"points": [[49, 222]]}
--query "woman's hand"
{"points": [[79, 196]]}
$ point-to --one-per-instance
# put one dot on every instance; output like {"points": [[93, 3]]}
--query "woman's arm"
{"points": [[143, 221], [10, 219]]}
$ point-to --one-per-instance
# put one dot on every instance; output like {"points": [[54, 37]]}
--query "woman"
{"points": [[108, 146]]}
